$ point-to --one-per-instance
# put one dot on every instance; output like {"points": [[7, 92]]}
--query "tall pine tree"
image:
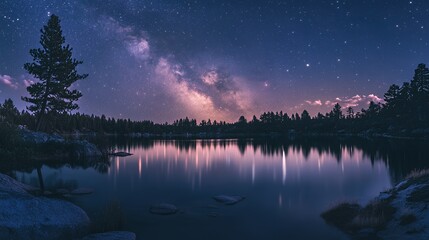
{"points": [[56, 70], [420, 92]]}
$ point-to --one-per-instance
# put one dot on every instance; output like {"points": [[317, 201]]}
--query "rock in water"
{"points": [[62, 191], [228, 200], [23, 216], [85, 149], [121, 154], [163, 209], [82, 191], [115, 235]]}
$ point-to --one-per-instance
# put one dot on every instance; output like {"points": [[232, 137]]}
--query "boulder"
{"points": [[8, 184], [228, 200], [23, 216], [115, 235], [163, 209], [82, 191], [62, 191], [121, 154], [85, 149], [40, 137], [75, 148]]}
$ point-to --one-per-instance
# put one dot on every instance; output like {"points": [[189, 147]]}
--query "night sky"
{"points": [[219, 59]]}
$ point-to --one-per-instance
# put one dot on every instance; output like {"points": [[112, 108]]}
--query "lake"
{"points": [[287, 184]]}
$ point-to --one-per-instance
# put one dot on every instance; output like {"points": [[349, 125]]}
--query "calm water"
{"points": [[286, 184]]}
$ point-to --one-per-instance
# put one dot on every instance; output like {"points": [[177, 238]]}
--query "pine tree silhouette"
{"points": [[56, 70]]}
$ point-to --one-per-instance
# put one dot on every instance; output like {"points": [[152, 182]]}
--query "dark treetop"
{"points": [[55, 69]]}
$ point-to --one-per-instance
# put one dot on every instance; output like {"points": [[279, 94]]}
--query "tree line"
{"points": [[405, 109]]}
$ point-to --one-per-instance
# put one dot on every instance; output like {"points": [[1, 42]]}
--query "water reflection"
{"points": [[100, 165], [287, 183], [199, 156]]}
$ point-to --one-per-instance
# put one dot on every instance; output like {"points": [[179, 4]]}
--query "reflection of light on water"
{"points": [[198, 159], [298, 157], [140, 166], [157, 153], [207, 159], [199, 179], [318, 164], [116, 172], [284, 166], [280, 200], [253, 170]]}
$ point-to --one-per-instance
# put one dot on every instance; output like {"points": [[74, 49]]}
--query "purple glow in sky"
{"points": [[163, 60]]}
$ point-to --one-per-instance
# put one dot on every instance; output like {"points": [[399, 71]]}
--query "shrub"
{"points": [[374, 215], [11, 144], [342, 214]]}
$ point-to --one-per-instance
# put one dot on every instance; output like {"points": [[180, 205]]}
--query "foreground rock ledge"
{"points": [[400, 213], [23, 216], [115, 235]]}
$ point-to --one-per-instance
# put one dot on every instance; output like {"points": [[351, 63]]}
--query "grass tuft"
{"points": [[374, 215], [350, 217], [418, 174], [419, 195]]}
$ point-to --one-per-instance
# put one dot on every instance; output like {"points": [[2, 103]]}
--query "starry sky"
{"points": [[219, 59]]}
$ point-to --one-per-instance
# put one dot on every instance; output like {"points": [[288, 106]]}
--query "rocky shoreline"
{"points": [[399, 213], [53, 146], [27, 213], [27, 216]]}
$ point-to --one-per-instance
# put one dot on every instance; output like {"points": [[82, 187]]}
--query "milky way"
{"points": [[218, 59]]}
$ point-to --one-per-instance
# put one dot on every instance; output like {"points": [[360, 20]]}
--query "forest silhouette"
{"points": [[405, 112]]}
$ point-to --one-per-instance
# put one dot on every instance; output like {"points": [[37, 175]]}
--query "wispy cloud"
{"points": [[374, 98], [314, 103], [8, 81], [356, 101], [27, 82]]}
